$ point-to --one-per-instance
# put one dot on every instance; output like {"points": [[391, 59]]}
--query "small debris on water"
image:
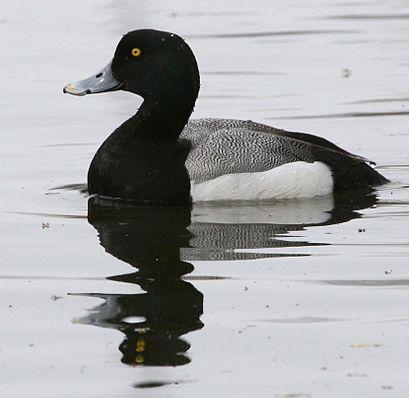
{"points": [[45, 225], [346, 73], [388, 272], [361, 230], [356, 375], [363, 345], [55, 298], [387, 387]]}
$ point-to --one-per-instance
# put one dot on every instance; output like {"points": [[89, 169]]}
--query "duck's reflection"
{"points": [[153, 322], [147, 238], [224, 232], [160, 242]]}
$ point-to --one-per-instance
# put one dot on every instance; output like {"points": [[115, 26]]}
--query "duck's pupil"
{"points": [[99, 75], [136, 52]]}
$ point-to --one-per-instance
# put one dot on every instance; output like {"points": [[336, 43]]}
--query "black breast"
{"points": [[147, 171]]}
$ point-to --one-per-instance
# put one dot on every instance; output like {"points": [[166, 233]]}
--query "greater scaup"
{"points": [[159, 156]]}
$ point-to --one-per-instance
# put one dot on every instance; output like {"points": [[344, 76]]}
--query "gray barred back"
{"points": [[225, 146]]}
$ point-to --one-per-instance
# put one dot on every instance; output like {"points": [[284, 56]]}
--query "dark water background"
{"points": [[292, 299]]}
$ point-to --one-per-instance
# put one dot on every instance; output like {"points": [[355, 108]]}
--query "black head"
{"points": [[151, 62]]}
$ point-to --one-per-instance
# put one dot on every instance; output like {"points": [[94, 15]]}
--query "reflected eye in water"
{"points": [[139, 359], [160, 243], [140, 345]]}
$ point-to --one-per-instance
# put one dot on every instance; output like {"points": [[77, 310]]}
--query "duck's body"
{"points": [[243, 160], [160, 157]]}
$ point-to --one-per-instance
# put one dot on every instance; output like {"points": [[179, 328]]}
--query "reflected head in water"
{"points": [[153, 321]]}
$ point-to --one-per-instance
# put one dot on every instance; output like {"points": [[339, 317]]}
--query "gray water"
{"points": [[288, 299]]}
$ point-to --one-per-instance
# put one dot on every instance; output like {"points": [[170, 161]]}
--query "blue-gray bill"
{"points": [[101, 82]]}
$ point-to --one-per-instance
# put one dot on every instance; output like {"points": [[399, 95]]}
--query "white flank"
{"points": [[291, 180]]}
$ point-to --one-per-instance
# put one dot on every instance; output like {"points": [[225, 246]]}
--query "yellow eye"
{"points": [[136, 52], [139, 359]]}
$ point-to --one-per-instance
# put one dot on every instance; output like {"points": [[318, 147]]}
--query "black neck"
{"points": [[166, 117], [161, 119]]}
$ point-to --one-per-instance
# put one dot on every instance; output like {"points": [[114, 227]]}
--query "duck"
{"points": [[160, 156]]}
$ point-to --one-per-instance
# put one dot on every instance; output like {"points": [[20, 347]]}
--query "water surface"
{"points": [[302, 298]]}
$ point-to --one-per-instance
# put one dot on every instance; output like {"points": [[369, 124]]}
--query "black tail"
{"points": [[349, 172]]}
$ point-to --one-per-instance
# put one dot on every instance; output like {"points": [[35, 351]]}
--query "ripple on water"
{"points": [[241, 35], [344, 115]]}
